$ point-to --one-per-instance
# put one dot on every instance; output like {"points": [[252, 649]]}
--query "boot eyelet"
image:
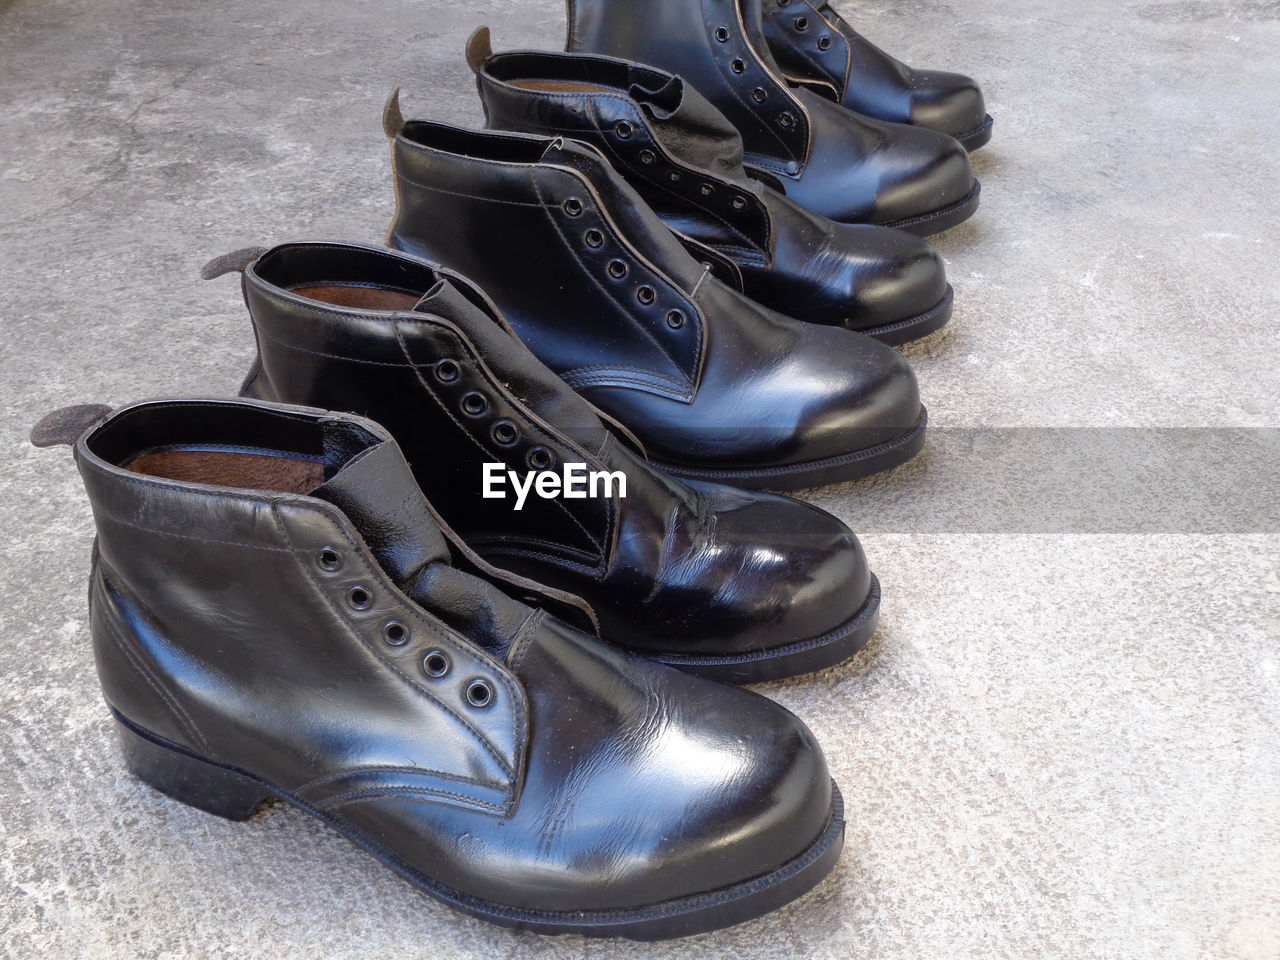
{"points": [[801, 23], [646, 295], [329, 559], [824, 43], [359, 598], [474, 404], [722, 34], [479, 693], [738, 66], [759, 94], [447, 371], [648, 157], [706, 190], [784, 3], [504, 433], [573, 207], [738, 203], [539, 458], [617, 269], [676, 319], [594, 238], [395, 633], [436, 664], [674, 176], [623, 130], [786, 120]]}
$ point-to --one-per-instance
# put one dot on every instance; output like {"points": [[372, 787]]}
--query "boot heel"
{"points": [[194, 782]]}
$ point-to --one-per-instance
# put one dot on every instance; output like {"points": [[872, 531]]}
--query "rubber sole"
{"points": [[235, 795], [913, 328], [778, 663], [978, 138], [814, 473], [944, 218]]}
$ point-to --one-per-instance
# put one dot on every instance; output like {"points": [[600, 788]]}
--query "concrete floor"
{"points": [[1063, 742]]}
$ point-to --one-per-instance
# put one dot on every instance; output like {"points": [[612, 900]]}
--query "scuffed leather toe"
{"points": [[948, 102]]}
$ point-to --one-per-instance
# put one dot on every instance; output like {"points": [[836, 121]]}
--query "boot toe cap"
{"points": [[950, 103], [932, 173], [909, 279]]}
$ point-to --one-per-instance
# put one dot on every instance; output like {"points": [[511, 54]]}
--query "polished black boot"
{"points": [[685, 159], [274, 613], [738, 586], [713, 385], [813, 44], [837, 163]]}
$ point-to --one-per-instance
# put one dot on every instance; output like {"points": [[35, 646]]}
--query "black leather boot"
{"points": [[837, 163], [685, 159], [274, 614], [715, 386], [813, 44], [738, 586]]}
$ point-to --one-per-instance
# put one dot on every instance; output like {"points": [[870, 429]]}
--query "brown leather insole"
{"points": [[561, 86], [252, 471], [362, 298]]}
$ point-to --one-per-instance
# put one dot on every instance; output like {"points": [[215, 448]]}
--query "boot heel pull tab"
{"points": [[63, 427], [392, 118], [479, 49], [236, 261]]}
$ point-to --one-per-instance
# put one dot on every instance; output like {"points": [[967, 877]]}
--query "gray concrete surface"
{"points": [[1061, 744]]}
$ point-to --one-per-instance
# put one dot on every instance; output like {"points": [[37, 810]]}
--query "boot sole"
{"points": [[815, 473], [778, 663], [236, 795], [978, 138], [913, 328], [944, 218]]}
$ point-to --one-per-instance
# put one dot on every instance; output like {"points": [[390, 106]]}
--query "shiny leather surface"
{"points": [[812, 42], [593, 779], [842, 165], [686, 160], [733, 385], [674, 567]]}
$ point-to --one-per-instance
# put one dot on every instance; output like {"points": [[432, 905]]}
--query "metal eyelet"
{"points": [[787, 119], [539, 458], [474, 404], [573, 207], [759, 94], [479, 693], [738, 203], [436, 664], [824, 43], [359, 598], [801, 24], [676, 319], [784, 3], [738, 66], [593, 238], [447, 371], [706, 190], [722, 34], [646, 295], [395, 633], [623, 130], [329, 559], [674, 176], [648, 157], [504, 433], [618, 269]]}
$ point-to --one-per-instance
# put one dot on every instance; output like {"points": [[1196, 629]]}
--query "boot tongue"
{"points": [[448, 300], [691, 129], [379, 495]]}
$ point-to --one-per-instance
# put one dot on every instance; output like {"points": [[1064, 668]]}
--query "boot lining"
{"points": [[252, 471], [561, 86], [359, 297]]}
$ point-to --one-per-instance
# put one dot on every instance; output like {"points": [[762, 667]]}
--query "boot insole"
{"points": [[221, 468]]}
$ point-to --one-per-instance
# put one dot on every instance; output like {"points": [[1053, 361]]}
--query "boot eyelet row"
{"points": [[479, 693], [474, 404], [395, 633], [436, 664], [447, 371], [329, 560], [359, 598]]}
